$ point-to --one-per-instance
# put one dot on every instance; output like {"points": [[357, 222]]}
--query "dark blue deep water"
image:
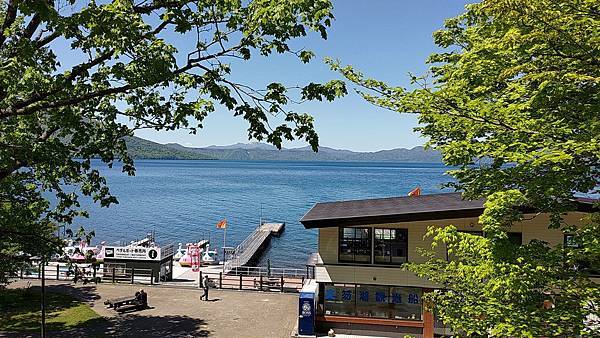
{"points": [[183, 200]]}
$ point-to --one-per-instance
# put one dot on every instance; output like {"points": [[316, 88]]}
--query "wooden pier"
{"points": [[254, 245]]}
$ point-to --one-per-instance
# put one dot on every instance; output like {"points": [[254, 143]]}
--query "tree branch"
{"points": [[9, 19], [32, 26], [75, 72], [10, 169], [147, 9], [47, 39]]}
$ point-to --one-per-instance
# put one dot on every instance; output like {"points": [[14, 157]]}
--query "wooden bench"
{"points": [[123, 304], [268, 283]]}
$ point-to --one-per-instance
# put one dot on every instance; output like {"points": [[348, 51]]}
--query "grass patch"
{"points": [[20, 310]]}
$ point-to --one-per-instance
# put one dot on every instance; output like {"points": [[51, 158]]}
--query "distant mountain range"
{"points": [[144, 149], [139, 148]]}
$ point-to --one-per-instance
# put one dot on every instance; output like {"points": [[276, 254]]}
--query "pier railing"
{"points": [[253, 245], [241, 249], [281, 283], [269, 272]]}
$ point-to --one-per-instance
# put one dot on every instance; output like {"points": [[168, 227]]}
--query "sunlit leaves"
{"points": [[94, 72], [512, 101]]}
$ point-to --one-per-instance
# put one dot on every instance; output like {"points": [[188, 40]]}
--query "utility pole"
{"points": [[43, 274]]}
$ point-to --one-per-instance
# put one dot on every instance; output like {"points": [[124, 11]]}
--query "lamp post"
{"points": [[43, 302]]}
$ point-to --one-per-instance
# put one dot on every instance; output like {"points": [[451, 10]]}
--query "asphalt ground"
{"points": [[179, 312]]}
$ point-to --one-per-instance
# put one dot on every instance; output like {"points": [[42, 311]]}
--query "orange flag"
{"points": [[222, 224], [415, 192]]}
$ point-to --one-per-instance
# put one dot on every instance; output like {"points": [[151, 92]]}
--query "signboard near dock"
{"points": [[153, 261], [132, 253]]}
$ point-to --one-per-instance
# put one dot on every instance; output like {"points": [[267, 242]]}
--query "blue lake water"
{"points": [[183, 200]]}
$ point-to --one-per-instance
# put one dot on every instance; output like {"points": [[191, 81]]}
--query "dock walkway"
{"points": [[254, 245]]}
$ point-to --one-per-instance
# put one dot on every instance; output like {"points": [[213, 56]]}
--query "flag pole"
{"points": [[224, 237]]}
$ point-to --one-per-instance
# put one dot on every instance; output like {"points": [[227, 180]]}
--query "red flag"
{"points": [[415, 192], [222, 224]]}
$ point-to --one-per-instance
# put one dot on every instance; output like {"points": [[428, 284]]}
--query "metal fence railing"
{"points": [[129, 275], [240, 249], [244, 278], [56, 271], [66, 272], [270, 272], [280, 283]]}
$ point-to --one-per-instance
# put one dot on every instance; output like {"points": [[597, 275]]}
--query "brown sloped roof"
{"points": [[394, 209]]}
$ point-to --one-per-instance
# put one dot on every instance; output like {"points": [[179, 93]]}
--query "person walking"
{"points": [[205, 286]]}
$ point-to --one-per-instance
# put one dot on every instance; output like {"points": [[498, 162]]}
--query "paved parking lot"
{"points": [[178, 312]]}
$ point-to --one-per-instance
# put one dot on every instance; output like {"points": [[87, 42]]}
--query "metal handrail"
{"points": [[264, 271], [239, 249]]}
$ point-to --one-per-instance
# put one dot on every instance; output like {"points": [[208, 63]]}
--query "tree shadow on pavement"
{"points": [[136, 324], [132, 326], [85, 293]]}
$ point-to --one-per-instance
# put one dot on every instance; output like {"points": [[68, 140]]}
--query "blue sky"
{"points": [[385, 39]]}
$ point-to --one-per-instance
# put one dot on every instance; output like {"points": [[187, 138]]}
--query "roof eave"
{"points": [[397, 218]]}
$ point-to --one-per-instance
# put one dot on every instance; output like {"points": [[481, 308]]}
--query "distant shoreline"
{"points": [[286, 160], [139, 148]]}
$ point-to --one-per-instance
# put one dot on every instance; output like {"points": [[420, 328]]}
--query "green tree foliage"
{"points": [[76, 77], [513, 101]]}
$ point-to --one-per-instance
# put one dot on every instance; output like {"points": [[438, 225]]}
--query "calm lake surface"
{"points": [[183, 200]]}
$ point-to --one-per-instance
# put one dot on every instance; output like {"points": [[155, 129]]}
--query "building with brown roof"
{"points": [[363, 243]]}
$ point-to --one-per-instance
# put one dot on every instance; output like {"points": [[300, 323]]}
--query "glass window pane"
{"points": [[339, 300], [348, 232], [515, 238], [570, 241], [391, 246], [372, 301], [355, 247], [406, 303], [362, 233], [382, 253]]}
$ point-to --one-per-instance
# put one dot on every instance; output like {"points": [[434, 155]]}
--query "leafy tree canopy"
{"points": [[76, 77], [513, 101]]}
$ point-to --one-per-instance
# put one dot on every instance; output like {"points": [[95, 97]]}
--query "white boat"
{"points": [[209, 256], [179, 253], [82, 252]]}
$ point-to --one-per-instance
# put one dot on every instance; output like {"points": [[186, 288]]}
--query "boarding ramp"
{"points": [[252, 247]]}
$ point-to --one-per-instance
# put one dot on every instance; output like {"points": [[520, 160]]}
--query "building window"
{"points": [[407, 303], [571, 242], [391, 246], [355, 245], [582, 263], [373, 301], [472, 232], [340, 300], [515, 238]]}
